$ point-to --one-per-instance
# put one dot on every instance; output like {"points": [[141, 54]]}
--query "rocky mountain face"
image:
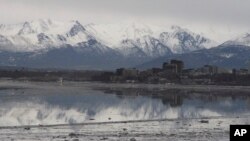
{"points": [[243, 40], [37, 35], [226, 56], [149, 40], [47, 43], [183, 41]]}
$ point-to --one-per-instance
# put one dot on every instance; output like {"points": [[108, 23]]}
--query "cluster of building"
{"points": [[174, 72], [170, 72]]}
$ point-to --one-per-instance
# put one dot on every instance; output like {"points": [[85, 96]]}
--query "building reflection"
{"points": [[67, 105]]}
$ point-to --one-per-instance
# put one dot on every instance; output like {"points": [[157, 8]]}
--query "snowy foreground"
{"points": [[212, 129]]}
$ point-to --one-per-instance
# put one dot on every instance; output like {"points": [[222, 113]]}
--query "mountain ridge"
{"points": [[37, 35], [53, 44], [223, 56]]}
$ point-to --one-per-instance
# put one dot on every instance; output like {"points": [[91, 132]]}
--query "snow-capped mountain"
{"points": [[47, 43], [243, 40], [128, 39], [41, 34], [182, 41], [152, 40], [230, 56], [233, 53]]}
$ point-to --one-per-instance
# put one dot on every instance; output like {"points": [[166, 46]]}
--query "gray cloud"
{"points": [[221, 12]]}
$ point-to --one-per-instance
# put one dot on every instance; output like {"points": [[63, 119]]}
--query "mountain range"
{"points": [[52, 44]]}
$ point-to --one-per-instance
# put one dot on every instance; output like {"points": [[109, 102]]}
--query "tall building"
{"points": [[169, 68], [127, 72], [179, 65], [209, 69], [175, 66]]}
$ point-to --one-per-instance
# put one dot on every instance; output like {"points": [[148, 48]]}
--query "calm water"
{"points": [[52, 103]]}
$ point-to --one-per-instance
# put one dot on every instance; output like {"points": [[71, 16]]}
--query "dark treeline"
{"points": [[172, 72], [114, 77], [54, 75]]}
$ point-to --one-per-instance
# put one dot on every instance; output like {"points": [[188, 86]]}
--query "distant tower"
{"points": [[175, 66], [179, 65], [60, 80], [248, 65]]}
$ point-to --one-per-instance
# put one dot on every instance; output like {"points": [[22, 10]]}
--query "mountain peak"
{"points": [[244, 40], [26, 29], [175, 27], [36, 26], [149, 39], [77, 27]]}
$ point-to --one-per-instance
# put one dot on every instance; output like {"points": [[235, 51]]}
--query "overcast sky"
{"points": [[234, 13]]}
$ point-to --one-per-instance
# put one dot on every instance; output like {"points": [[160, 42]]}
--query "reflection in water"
{"points": [[69, 104]]}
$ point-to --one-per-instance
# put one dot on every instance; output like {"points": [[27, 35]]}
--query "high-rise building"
{"points": [[179, 65], [169, 68], [175, 66]]}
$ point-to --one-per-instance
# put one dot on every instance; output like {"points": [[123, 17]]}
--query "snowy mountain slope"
{"points": [[42, 34], [182, 40], [150, 40], [4, 41], [47, 43], [227, 56], [172, 39], [113, 34], [243, 40], [233, 53], [147, 45]]}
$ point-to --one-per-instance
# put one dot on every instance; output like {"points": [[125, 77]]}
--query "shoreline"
{"points": [[127, 122], [205, 129], [8, 84]]}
